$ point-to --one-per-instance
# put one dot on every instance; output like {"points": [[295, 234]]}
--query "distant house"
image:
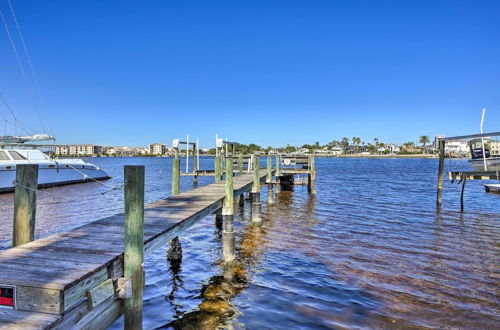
{"points": [[392, 148]]}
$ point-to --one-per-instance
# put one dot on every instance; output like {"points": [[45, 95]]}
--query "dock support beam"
{"points": [[311, 184], [176, 173], [25, 204], [439, 198], [278, 174], [228, 212], [218, 168], [256, 206], [464, 180], [134, 244], [269, 180]]}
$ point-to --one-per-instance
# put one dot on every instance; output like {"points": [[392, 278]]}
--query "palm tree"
{"points": [[356, 141], [344, 143], [424, 139]]}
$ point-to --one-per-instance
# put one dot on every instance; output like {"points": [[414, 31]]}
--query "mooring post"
{"points": [[269, 180], [134, 244], [464, 179], [176, 172], [311, 178], [175, 245], [240, 163], [439, 199], [218, 168], [228, 212], [25, 204], [278, 174], [195, 165], [256, 206]]}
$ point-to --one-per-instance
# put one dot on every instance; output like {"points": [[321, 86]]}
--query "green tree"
{"points": [[424, 139]]}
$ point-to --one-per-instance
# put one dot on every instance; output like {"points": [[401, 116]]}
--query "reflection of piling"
{"points": [[256, 206], [134, 244], [228, 212], [440, 174], [176, 172], [25, 204]]}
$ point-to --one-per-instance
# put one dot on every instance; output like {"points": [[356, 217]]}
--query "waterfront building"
{"points": [[157, 149], [78, 150], [456, 147]]}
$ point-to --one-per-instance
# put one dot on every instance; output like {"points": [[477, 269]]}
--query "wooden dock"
{"points": [[53, 275], [85, 278]]}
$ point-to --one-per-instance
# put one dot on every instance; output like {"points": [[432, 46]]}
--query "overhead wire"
{"points": [[20, 64]]}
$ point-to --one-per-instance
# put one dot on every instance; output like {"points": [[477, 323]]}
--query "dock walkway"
{"points": [[57, 277]]}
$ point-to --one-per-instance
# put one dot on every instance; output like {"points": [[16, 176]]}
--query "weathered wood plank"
{"points": [[99, 293]]}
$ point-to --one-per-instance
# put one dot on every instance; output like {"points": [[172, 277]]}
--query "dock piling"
{"points": [[134, 244], [25, 204], [218, 168], [311, 182], [464, 180], [278, 174], [176, 172], [256, 206], [439, 198], [269, 180], [240, 163], [228, 212]]}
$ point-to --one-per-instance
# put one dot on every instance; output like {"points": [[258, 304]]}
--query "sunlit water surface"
{"points": [[369, 251]]}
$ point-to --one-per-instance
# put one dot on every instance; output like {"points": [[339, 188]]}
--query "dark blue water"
{"points": [[369, 251]]}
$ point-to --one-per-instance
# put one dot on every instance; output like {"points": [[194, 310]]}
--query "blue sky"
{"points": [[268, 72]]}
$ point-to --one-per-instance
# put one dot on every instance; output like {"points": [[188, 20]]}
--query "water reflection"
{"points": [[216, 308]]}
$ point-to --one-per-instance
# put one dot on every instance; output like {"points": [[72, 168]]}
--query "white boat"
{"points": [[51, 172], [492, 164]]}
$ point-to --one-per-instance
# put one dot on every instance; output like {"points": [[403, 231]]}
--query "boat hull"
{"points": [[492, 164], [54, 176]]}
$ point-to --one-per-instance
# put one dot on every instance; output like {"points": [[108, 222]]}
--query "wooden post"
{"points": [[134, 244], [228, 212], [278, 174], [218, 168], [464, 179], [240, 163], [311, 184], [176, 173], [195, 165], [25, 204], [269, 180], [256, 206], [439, 198]]}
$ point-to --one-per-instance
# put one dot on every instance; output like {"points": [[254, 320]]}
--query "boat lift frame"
{"points": [[462, 176]]}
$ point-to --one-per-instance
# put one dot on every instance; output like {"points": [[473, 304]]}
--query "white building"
{"points": [[457, 147], [393, 149], [157, 149], [78, 150]]}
